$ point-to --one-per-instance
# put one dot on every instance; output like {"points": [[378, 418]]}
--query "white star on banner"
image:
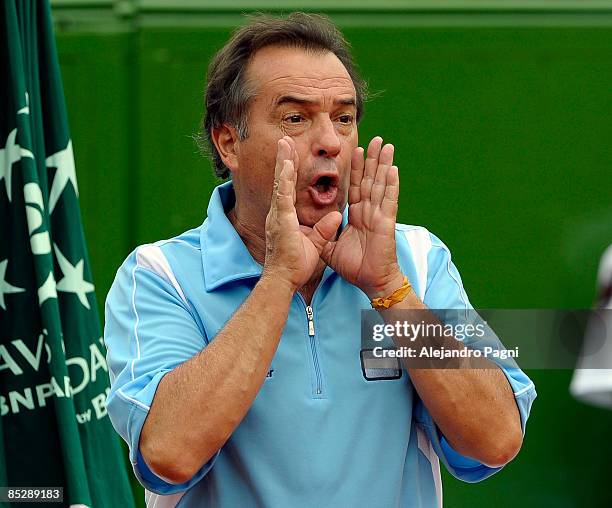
{"points": [[47, 290], [5, 287], [8, 155], [26, 109], [73, 282], [64, 162]]}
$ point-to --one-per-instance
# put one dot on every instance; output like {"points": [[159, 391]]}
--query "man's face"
{"points": [[310, 97]]}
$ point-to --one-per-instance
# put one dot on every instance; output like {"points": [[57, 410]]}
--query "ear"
{"points": [[225, 139]]}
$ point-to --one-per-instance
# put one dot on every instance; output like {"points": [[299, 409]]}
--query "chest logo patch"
{"points": [[379, 369]]}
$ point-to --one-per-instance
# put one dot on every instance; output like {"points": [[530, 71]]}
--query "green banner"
{"points": [[54, 429]]}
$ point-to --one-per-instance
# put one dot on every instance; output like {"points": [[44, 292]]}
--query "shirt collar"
{"points": [[225, 257]]}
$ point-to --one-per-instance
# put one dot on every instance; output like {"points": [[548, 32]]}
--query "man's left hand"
{"points": [[364, 254]]}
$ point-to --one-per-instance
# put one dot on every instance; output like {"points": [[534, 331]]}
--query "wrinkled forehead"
{"points": [[276, 71]]}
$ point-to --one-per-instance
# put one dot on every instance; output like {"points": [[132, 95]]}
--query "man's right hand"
{"points": [[291, 254]]}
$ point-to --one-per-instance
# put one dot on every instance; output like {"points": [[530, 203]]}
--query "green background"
{"points": [[501, 117]]}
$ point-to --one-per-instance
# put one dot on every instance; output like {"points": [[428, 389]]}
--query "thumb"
{"points": [[324, 230]]}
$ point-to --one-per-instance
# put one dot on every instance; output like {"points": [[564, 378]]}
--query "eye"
{"points": [[346, 119], [294, 118]]}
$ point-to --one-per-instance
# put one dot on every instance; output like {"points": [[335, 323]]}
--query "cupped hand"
{"points": [[292, 252], [365, 254]]}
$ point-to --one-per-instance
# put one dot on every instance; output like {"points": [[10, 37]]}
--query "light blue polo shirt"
{"points": [[318, 433]]}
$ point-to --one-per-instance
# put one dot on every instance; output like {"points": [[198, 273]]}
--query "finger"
{"points": [[296, 168], [291, 142], [386, 155], [371, 164], [296, 161], [286, 188], [357, 164], [380, 181], [283, 151], [325, 230], [293, 155], [389, 202], [293, 152], [373, 153]]}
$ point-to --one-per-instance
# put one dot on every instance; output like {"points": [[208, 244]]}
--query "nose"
{"points": [[326, 142]]}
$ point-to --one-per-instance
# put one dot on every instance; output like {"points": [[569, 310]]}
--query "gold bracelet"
{"points": [[397, 296]]}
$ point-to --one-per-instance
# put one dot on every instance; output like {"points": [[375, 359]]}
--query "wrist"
{"points": [[385, 287], [276, 282]]}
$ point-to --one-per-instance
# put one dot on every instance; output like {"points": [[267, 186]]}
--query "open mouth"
{"points": [[324, 190], [323, 183]]}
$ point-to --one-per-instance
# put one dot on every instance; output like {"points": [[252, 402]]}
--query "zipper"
{"points": [[309, 315], [313, 347]]}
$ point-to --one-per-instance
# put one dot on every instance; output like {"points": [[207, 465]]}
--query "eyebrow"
{"points": [[292, 99]]}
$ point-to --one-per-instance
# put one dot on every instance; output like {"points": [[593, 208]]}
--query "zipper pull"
{"points": [[310, 314]]}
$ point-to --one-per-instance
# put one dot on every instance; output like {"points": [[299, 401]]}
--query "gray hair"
{"points": [[228, 92]]}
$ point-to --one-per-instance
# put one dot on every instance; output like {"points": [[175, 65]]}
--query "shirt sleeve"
{"points": [[445, 290], [150, 328]]}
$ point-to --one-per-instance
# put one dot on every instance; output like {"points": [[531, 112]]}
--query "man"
{"points": [[234, 348], [592, 379]]}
